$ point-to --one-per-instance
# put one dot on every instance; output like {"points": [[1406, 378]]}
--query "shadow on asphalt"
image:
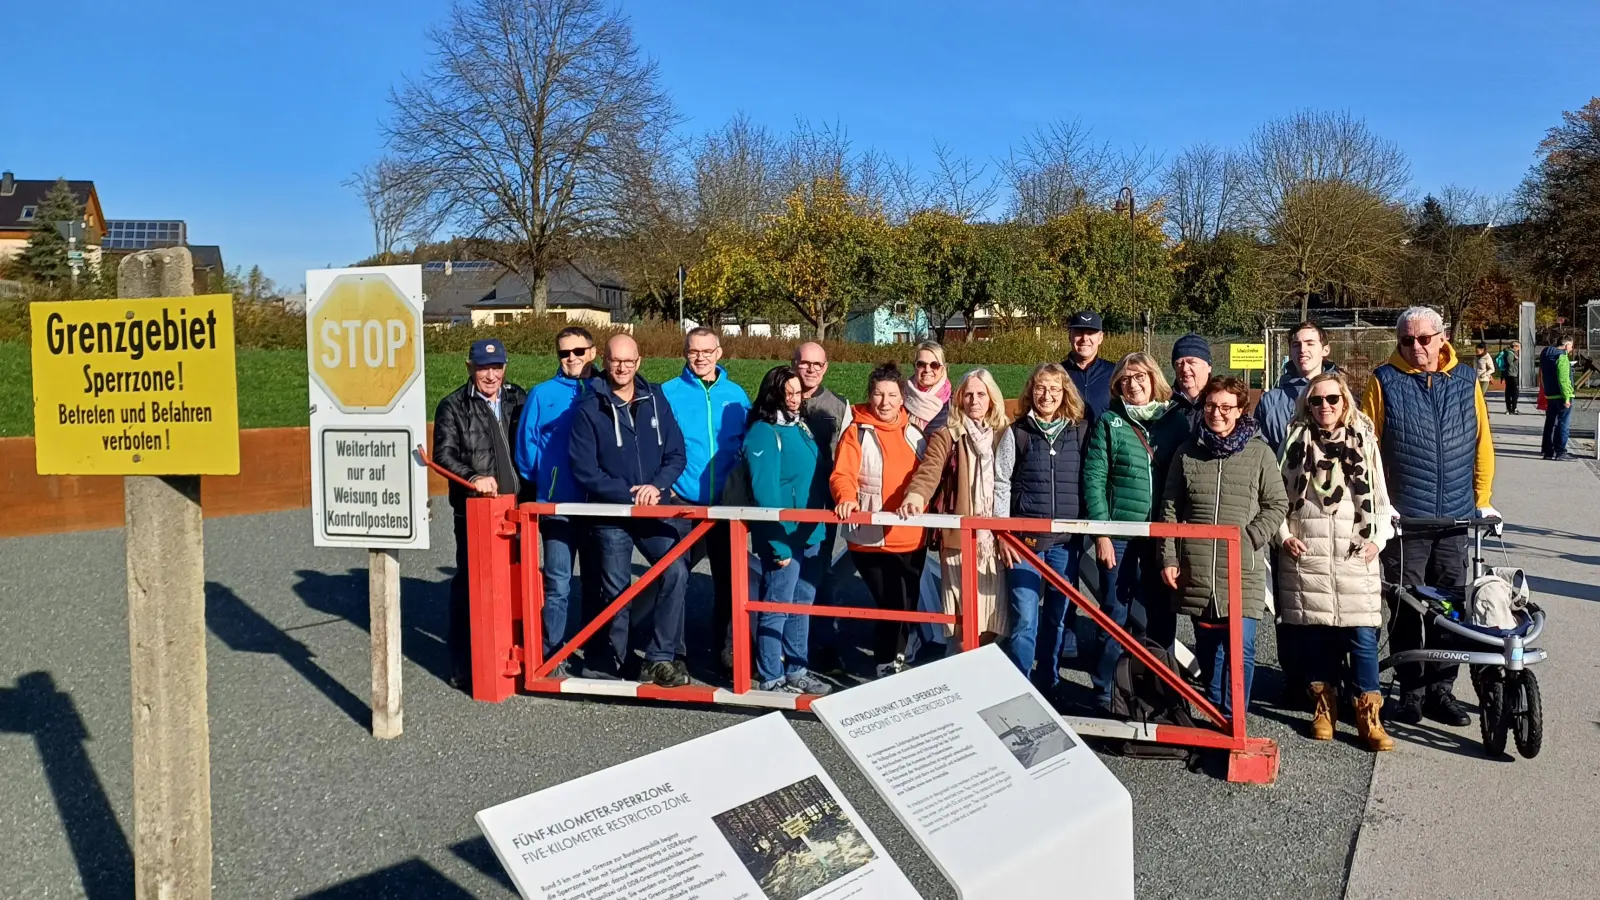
{"points": [[412, 878], [1515, 528], [1556, 587], [99, 846], [478, 854], [424, 611], [239, 626]]}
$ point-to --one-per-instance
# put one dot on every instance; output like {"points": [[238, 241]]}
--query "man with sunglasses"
{"points": [[472, 428], [1432, 425], [545, 461]]}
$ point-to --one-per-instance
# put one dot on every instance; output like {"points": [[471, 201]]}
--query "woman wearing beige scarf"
{"points": [[957, 476]]}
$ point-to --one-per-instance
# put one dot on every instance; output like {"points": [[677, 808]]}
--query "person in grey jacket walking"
{"points": [[1223, 476]]}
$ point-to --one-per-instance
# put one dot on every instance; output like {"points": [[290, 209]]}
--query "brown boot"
{"points": [[1326, 699], [1368, 706]]}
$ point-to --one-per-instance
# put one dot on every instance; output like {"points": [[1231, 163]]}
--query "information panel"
{"points": [[742, 814], [135, 387], [368, 407], [999, 791]]}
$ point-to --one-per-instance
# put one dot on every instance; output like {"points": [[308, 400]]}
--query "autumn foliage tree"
{"points": [[824, 254]]}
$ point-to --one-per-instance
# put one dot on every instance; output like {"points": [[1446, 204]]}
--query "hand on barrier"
{"points": [[1009, 555], [1294, 547], [1489, 512], [486, 485], [914, 506], [846, 509], [1105, 551], [645, 494], [1170, 576]]}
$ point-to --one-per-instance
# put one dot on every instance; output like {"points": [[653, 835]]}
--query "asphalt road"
{"points": [[307, 804]]}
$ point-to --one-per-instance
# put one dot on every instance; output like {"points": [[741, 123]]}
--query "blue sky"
{"points": [[243, 118]]}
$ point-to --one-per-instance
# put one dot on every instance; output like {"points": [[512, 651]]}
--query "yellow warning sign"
{"points": [[135, 387], [1247, 356]]}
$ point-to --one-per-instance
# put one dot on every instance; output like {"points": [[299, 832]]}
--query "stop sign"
{"points": [[366, 343]]}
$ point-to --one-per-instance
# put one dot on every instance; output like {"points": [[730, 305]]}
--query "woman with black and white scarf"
{"points": [[1329, 576]]}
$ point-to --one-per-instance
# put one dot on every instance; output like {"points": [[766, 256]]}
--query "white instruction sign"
{"points": [[743, 814], [999, 791], [366, 484]]}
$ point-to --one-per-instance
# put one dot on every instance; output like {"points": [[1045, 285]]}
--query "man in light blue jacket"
{"points": [[1307, 358], [544, 461], [711, 411]]}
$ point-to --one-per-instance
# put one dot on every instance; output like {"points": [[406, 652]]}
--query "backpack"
{"points": [[736, 490], [1139, 695]]}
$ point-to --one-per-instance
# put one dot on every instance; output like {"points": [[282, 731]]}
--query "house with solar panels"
{"points": [[480, 293]]}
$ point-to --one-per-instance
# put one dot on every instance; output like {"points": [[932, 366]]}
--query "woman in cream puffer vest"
{"points": [[1328, 572]]}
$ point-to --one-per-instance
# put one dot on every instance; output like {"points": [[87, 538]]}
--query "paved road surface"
{"points": [[1442, 820]]}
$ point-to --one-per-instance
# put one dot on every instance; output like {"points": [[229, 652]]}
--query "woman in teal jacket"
{"points": [[1129, 448], [781, 455]]}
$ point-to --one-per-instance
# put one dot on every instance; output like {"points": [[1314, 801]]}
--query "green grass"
{"points": [[273, 394]]}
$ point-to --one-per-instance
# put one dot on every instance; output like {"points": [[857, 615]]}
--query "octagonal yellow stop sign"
{"points": [[366, 343]]}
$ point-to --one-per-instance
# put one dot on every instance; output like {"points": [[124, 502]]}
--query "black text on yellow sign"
{"points": [[135, 387]]}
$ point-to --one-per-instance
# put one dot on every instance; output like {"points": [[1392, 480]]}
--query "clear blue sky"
{"points": [[243, 118]]}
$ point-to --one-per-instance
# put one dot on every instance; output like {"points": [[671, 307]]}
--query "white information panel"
{"points": [[998, 790], [743, 814], [364, 356]]}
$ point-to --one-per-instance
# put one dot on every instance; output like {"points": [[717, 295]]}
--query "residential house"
{"points": [[888, 323], [20, 200], [579, 293]]}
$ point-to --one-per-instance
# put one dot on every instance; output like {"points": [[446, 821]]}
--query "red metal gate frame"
{"points": [[507, 592]]}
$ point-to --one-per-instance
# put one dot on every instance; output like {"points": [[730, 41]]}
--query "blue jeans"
{"points": [[782, 640], [1120, 592], [1324, 647], [1211, 652], [1557, 427], [565, 540], [930, 600], [663, 622], [1035, 634]]}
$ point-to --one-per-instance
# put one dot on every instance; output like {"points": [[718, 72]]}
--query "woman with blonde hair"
{"points": [[1328, 571], [957, 476], [1130, 447], [1039, 475]]}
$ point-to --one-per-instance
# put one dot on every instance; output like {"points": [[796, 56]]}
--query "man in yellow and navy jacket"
{"points": [[1433, 431]]}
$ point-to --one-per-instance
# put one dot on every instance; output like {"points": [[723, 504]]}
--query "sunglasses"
{"points": [[933, 366], [574, 352], [1413, 340], [1325, 400]]}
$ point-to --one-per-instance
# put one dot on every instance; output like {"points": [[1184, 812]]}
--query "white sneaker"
{"points": [[807, 683]]}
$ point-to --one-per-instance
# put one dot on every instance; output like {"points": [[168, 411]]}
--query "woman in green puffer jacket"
{"points": [[1121, 483], [1225, 475]]}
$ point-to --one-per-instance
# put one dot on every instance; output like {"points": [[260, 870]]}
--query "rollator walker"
{"points": [[1508, 692]]}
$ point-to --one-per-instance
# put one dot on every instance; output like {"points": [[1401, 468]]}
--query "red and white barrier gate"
{"points": [[508, 596]]}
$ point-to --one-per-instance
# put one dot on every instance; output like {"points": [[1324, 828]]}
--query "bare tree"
{"points": [[960, 187], [1323, 191], [737, 175], [1202, 188], [1451, 253], [399, 205], [530, 126], [1057, 169]]}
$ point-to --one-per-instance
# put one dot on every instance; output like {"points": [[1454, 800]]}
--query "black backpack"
{"points": [[1139, 695]]}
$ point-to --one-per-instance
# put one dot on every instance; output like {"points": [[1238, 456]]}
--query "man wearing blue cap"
{"points": [[472, 433], [1090, 374]]}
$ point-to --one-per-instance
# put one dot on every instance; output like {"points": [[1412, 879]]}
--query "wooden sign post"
{"points": [[146, 388], [368, 489]]}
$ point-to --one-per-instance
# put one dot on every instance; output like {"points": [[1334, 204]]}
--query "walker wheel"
{"points": [[1492, 720], [1528, 715]]}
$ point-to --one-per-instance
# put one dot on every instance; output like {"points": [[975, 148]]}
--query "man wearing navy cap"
{"points": [[472, 433], [1090, 374]]}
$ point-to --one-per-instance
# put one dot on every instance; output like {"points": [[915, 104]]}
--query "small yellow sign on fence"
{"points": [[1247, 356], [135, 387]]}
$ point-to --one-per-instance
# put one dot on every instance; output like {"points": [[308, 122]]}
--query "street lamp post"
{"points": [[1125, 196]]}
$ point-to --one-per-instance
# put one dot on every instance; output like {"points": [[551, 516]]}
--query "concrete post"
{"points": [[383, 598], [167, 640]]}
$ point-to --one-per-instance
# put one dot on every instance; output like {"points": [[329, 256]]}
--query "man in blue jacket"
{"points": [[711, 410], [626, 448], [545, 462], [1308, 358], [1090, 372]]}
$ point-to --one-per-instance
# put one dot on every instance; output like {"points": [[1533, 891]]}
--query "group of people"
{"points": [[1312, 479]]}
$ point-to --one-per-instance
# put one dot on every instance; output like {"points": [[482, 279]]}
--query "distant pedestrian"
{"points": [[472, 435], [1509, 362], [1555, 378], [781, 455], [627, 449], [1089, 371], [544, 459], [1483, 364]]}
